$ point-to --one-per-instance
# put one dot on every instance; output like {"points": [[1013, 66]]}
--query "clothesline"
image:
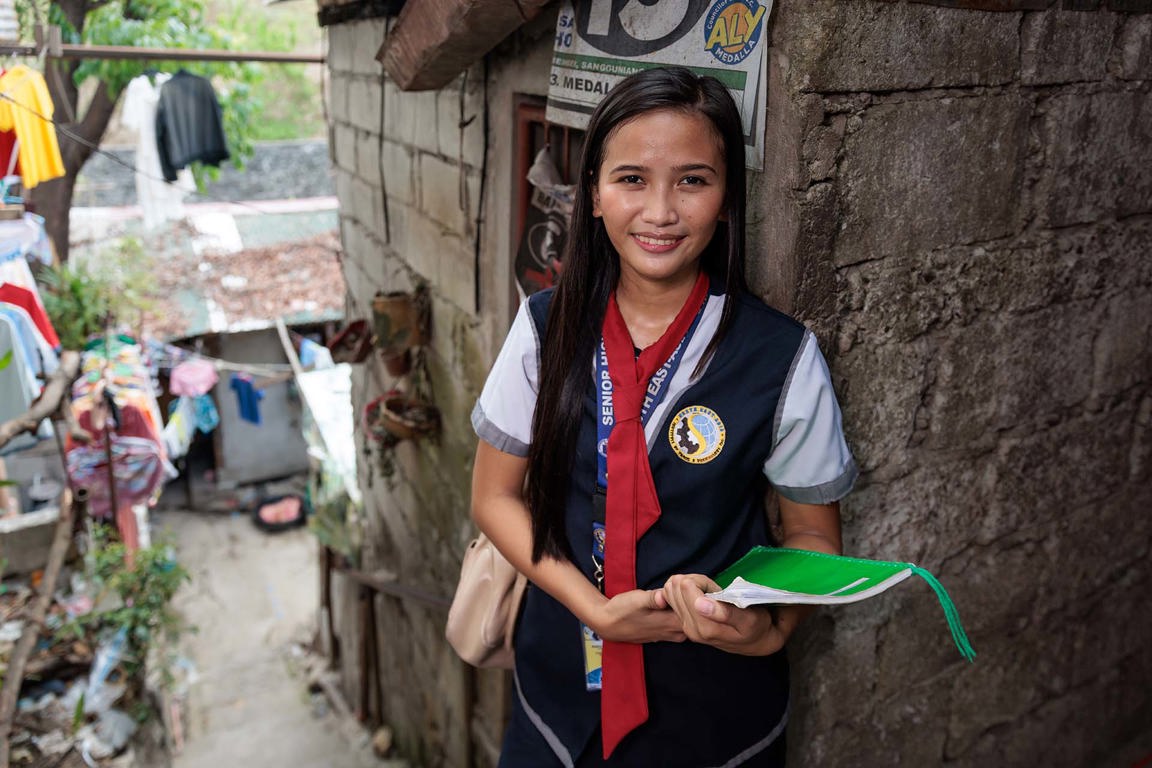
{"points": [[258, 369], [63, 130]]}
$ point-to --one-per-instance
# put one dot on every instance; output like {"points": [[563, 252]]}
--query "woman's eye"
{"points": [[693, 180], [630, 179]]}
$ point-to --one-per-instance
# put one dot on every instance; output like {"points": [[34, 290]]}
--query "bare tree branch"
{"points": [[14, 675], [49, 401]]}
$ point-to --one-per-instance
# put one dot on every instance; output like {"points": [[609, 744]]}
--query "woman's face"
{"points": [[660, 191]]}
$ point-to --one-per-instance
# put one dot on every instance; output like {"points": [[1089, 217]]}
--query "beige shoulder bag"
{"points": [[485, 607]]}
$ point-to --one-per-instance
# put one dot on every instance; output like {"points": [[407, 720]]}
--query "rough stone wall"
{"points": [[959, 202], [408, 170]]}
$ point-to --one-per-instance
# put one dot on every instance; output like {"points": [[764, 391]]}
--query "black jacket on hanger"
{"points": [[188, 124]]}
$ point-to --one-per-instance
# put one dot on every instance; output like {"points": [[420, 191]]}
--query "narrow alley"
{"points": [[252, 597]]}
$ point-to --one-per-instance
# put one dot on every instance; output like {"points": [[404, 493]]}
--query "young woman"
{"points": [[627, 429]]}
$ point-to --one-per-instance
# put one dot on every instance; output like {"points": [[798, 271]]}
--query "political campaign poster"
{"points": [[600, 42]]}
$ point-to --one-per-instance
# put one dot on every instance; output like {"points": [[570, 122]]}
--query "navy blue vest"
{"points": [[706, 706]]}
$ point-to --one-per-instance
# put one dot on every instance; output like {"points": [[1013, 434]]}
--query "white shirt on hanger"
{"points": [[159, 200]]}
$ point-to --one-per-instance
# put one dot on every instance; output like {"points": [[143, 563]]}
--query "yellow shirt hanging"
{"points": [[39, 152]]}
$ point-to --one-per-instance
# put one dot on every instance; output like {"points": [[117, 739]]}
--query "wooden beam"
{"points": [[134, 53], [391, 587], [435, 40]]}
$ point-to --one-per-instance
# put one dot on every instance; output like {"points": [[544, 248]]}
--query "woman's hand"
{"points": [[746, 631], [638, 616]]}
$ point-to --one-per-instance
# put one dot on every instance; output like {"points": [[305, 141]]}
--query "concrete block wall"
{"points": [[407, 169], [959, 201]]}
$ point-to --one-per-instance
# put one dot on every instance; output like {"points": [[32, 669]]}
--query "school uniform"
{"points": [[762, 408]]}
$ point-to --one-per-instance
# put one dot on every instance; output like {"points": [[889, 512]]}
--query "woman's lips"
{"points": [[657, 243]]}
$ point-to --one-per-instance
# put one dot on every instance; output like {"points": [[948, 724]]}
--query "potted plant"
{"points": [[352, 344], [397, 415], [399, 320]]}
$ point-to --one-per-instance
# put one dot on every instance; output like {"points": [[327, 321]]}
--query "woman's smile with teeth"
{"points": [[654, 240]]}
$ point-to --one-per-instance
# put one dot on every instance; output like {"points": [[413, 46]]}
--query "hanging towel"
{"points": [[247, 396], [39, 152], [189, 125]]}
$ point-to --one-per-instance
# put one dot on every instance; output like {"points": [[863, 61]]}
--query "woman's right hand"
{"points": [[638, 616]]}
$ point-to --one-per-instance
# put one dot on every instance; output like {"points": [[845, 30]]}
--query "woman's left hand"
{"points": [[746, 631]]}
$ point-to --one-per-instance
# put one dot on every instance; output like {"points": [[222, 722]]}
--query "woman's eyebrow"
{"points": [[678, 168], [620, 168]]}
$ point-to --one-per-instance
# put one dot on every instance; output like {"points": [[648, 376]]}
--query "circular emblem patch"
{"points": [[697, 434]]}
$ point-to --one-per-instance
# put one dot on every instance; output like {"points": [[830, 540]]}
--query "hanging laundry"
{"points": [[14, 269], [40, 355], [185, 416], [160, 201], [29, 300], [181, 427], [189, 126], [207, 417], [193, 378], [115, 393], [18, 386], [247, 397], [314, 356], [27, 109], [139, 473], [25, 237], [9, 154]]}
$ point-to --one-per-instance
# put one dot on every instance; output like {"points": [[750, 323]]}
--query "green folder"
{"points": [[797, 576]]}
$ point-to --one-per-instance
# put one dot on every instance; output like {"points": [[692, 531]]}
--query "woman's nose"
{"points": [[660, 207]]}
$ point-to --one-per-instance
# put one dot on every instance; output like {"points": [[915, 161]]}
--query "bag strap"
{"points": [[519, 587]]}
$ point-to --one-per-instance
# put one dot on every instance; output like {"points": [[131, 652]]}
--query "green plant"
{"points": [[75, 301], [114, 284], [132, 592]]}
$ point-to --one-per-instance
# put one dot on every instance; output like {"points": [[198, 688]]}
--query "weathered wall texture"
{"points": [[960, 203], [961, 208], [408, 175]]}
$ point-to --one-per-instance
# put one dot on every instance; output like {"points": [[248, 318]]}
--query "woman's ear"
{"points": [[596, 212]]}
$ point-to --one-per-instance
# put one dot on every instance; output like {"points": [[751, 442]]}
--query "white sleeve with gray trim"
{"points": [[503, 414], [810, 461]]}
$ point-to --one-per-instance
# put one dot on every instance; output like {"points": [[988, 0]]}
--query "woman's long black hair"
{"points": [[591, 269]]}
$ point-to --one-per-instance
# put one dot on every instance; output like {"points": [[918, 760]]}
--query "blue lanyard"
{"points": [[657, 389]]}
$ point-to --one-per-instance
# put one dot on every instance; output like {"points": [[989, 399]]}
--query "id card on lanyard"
{"points": [[592, 643]]}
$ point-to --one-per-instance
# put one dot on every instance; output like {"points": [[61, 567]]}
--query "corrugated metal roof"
{"points": [[224, 291]]}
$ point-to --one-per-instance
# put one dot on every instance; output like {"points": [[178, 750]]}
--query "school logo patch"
{"points": [[697, 434]]}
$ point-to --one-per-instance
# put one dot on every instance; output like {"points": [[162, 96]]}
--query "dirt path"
{"points": [[250, 596]]}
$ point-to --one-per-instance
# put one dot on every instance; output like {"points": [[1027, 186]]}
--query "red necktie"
{"points": [[632, 505]]}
